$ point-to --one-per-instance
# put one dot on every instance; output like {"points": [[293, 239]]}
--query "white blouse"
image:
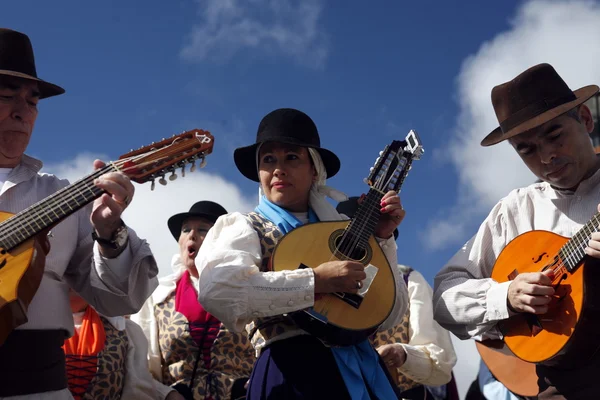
{"points": [[232, 288]]}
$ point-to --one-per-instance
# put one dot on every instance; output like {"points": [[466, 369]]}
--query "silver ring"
{"points": [[359, 284], [126, 200]]}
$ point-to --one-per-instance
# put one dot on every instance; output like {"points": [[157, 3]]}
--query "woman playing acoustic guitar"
{"points": [[236, 285]]}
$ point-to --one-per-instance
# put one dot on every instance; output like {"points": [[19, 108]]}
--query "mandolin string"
{"points": [[572, 248], [32, 213]]}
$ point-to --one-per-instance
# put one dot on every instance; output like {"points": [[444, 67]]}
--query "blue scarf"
{"points": [[359, 364]]}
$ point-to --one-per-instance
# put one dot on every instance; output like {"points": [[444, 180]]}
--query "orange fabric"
{"points": [[86, 343]]}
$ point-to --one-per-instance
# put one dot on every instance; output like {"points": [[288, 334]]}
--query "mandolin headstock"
{"points": [[160, 159], [394, 162]]}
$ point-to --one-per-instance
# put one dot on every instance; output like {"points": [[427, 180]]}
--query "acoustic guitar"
{"points": [[344, 319], [567, 334], [23, 241]]}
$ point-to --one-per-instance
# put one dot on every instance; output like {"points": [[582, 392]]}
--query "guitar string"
{"points": [[45, 206]]}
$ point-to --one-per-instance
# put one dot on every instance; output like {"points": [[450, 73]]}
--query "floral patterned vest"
{"points": [[232, 356], [398, 334], [263, 331], [108, 367]]}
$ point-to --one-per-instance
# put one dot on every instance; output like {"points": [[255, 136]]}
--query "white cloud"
{"points": [[562, 33], [467, 365], [149, 210], [261, 26]]}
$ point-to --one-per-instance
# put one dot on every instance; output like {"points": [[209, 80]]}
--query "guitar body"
{"points": [[20, 276], [341, 319], [566, 329]]}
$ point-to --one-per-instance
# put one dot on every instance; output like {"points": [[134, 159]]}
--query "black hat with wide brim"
{"points": [[349, 208], [287, 126], [208, 210], [16, 59]]}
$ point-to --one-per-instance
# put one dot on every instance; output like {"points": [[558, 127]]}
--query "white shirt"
{"points": [[466, 300], [114, 287], [232, 288], [430, 355]]}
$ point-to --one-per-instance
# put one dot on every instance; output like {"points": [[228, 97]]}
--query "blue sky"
{"points": [[366, 74]]}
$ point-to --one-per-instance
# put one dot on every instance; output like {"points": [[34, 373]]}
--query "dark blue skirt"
{"points": [[298, 368]]}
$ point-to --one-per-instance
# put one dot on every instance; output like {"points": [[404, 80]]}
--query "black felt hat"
{"points": [[289, 126], [204, 209]]}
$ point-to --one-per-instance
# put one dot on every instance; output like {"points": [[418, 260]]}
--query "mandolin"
{"points": [[343, 319], [566, 334], [23, 242]]}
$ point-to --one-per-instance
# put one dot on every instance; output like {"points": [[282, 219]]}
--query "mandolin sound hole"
{"points": [[347, 247]]}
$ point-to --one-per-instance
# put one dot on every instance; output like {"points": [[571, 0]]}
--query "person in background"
{"points": [[106, 357], [191, 353]]}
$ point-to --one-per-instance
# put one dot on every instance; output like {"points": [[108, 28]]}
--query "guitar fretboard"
{"points": [[573, 252], [45, 213], [364, 222]]}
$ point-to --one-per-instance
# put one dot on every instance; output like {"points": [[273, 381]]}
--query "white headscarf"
{"points": [[318, 191]]}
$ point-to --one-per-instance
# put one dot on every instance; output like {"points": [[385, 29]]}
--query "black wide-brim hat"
{"points": [[349, 208], [208, 210], [531, 99], [288, 126], [16, 59]]}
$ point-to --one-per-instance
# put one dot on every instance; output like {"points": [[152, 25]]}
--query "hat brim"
{"points": [[245, 158], [46, 89], [176, 221], [582, 95]]}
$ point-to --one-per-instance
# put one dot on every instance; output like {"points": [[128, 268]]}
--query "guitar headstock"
{"points": [[167, 156], [394, 162]]}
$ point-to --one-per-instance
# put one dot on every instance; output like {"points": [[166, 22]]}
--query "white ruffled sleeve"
{"points": [[231, 286]]}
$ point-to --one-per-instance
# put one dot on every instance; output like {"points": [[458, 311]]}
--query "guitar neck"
{"points": [[51, 210], [573, 252]]}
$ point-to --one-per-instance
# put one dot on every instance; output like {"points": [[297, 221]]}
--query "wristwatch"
{"points": [[118, 239]]}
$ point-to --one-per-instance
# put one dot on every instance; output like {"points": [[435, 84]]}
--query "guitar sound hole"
{"points": [[345, 246]]}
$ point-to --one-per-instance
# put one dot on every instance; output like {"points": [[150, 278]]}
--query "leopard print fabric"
{"points": [[398, 334], [110, 378], [263, 331], [232, 356]]}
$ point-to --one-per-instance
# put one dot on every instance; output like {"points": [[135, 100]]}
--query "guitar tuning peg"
{"points": [[183, 171], [162, 181], [153, 185], [193, 167], [203, 162], [173, 176], [381, 153], [365, 180]]}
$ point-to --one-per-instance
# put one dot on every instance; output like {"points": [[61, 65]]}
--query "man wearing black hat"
{"points": [[112, 269], [549, 126], [191, 353]]}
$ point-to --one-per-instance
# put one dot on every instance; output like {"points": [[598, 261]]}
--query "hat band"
{"points": [[533, 110]]}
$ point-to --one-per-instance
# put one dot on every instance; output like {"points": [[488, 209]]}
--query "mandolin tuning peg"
{"points": [[153, 185], [193, 167], [162, 181], [183, 171], [203, 163], [173, 176]]}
